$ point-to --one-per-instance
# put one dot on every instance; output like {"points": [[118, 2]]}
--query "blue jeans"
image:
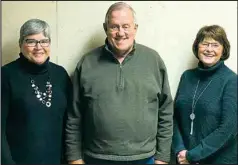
{"points": [[90, 160]]}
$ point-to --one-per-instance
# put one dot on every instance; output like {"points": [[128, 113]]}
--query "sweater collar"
{"points": [[208, 71], [108, 48], [32, 67]]}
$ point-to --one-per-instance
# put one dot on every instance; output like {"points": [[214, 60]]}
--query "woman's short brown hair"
{"points": [[215, 32]]}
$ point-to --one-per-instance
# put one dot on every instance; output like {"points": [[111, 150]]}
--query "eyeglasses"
{"points": [[205, 45], [116, 28], [33, 42]]}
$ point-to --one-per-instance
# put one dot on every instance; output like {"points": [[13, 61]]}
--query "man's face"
{"points": [[121, 30]]}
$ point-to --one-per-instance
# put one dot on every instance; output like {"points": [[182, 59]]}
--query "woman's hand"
{"points": [[181, 157]]}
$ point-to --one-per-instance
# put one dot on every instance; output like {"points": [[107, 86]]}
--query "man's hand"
{"points": [[80, 161], [181, 157], [160, 162]]}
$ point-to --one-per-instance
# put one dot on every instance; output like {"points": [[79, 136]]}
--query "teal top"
{"points": [[214, 138], [122, 112]]}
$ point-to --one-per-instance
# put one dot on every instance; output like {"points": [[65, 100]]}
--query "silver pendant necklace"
{"points": [[192, 115], [43, 97]]}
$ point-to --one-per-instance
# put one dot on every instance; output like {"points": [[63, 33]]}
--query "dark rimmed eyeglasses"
{"points": [[33, 42]]}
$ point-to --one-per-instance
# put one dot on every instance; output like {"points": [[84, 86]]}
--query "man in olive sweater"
{"points": [[123, 109]]}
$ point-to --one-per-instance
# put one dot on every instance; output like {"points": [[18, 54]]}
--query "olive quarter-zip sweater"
{"points": [[214, 138], [122, 112]]}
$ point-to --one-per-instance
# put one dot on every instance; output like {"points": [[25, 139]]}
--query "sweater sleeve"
{"points": [[178, 144], [74, 121], [165, 117], [177, 141], [6, 157], [225, 131], [68, 92]]}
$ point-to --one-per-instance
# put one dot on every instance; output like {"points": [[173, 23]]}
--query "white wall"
{"points": [[168, 27]]}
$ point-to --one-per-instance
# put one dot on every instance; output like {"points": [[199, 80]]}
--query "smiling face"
{"points": [[121, 31], [209, 51], [36, 54]]}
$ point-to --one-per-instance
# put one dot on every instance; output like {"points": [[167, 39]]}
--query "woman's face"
{"points": [[36, 48], [209, 51]]}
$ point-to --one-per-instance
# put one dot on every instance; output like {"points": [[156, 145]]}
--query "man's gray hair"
{"points": [[118, 6], [34, 26]]}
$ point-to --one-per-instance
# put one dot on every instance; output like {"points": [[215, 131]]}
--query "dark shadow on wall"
{"points": [[97, 39], [10, 52]]}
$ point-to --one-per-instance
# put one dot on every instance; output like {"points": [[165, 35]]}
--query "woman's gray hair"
{"points": [[34, 26], [118, 6]]}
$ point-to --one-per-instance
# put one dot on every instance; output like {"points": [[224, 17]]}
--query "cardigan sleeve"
{"points": [[6, 157], [225, 131]]}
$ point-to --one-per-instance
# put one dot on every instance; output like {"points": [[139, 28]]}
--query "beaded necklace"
{"points": [[43, 97]]}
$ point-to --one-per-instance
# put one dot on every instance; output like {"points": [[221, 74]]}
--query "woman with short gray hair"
{"points": [[35, 96]]}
